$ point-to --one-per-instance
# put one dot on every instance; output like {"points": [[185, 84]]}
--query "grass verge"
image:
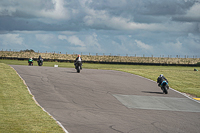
{"points": [[18, 111]]}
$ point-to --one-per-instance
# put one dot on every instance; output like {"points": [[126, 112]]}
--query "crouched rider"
{"points": [[78, 59]]}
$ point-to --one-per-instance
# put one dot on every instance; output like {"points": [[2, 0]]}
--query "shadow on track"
{"points": [[152, 92], [71, 72]]}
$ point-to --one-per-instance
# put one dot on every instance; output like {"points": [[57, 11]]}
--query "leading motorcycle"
{"points": [[164, 87], [78, 66]]}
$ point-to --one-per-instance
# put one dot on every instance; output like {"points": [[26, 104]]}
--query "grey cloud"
{"points": [[192, 15], [118, 24], [186, 19], [25, 15], [11, 24], [145, 7], [23, 8]]}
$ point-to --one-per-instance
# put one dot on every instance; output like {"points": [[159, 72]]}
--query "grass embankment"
{"points": [[107, 58], [183, 79], [18, 111]]}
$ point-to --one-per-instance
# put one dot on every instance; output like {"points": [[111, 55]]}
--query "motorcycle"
{"points": [[40, 62], [30, 62], [78, 66], [164, 87]]}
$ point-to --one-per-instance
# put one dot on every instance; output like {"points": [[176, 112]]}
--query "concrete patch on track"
{"points": [[158, 103]]}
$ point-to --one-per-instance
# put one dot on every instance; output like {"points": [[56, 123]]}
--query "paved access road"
{"points": [[105, 101]]}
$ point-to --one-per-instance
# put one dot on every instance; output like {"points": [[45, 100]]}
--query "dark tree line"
{"points": [[27, 50]]}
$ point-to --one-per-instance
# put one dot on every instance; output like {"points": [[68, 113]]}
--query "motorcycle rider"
{"points": [[160, 79], [78, 59], [30, 60], [40, 59]]}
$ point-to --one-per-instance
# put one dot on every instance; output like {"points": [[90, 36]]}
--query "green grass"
{"points": [[18, 111]]}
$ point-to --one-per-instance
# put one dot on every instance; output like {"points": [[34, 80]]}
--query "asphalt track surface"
{"points": [[106, 101]]}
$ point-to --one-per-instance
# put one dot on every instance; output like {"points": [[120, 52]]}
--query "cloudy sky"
{"points": [[149, 27]]}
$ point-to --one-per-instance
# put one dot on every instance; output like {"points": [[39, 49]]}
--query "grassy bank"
{"points": [[183, 79], [18, 111], [165, 60]]}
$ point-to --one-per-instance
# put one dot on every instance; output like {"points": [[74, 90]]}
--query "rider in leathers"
{"points": [[30, 60], [78, 59], [40, 59], [160, 79]]}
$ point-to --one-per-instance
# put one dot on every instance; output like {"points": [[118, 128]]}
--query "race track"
{"points": [[106, 101]]}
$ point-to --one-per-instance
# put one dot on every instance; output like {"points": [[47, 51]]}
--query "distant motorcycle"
{"points": [[40, 62], [30, 62], [164, 87], [78, 66]]}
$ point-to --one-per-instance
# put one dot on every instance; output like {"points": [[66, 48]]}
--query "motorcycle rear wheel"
{"points": [[78, 69], [165, 89]]}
